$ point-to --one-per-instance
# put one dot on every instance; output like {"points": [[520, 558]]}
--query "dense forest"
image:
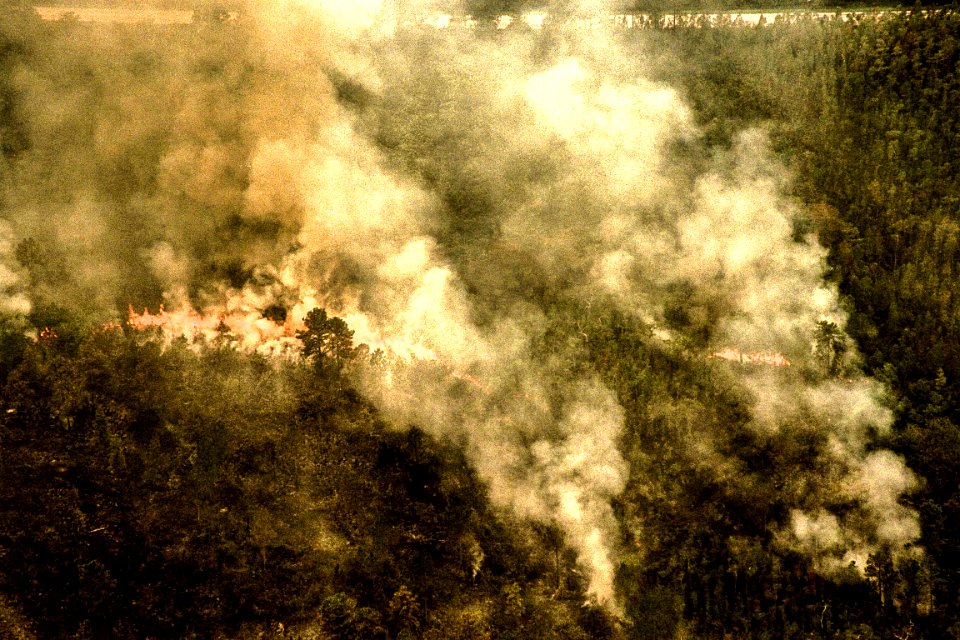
{"points": [[564, 452]]}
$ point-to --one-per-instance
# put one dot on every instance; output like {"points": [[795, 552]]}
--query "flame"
{"points": [[250, 331], [245, 330], [769, 358]]}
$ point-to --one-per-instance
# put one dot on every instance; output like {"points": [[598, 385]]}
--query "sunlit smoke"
{"points": [[440, 189], [13, 300], [245, 330]]}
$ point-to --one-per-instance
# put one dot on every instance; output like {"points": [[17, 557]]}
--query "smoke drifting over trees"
{"points": [[531, 229]]}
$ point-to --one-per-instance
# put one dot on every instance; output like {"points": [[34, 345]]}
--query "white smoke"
{"points": [[611, 218], [13, 299], [424, 186]]}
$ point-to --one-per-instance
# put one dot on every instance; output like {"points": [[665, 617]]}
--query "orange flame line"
{"points": [[769, 358]]}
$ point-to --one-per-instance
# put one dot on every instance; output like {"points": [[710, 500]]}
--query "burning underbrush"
{"points": [[769, 358], [248, 331], [274, 332]]}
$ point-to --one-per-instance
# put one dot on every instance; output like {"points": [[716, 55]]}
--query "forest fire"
{"points": [[768, 358], [465, 313], [248, 331], [186, 322], [256, 331]]}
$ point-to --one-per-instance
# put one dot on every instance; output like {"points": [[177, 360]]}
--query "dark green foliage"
{"points": [[152, 492], [344, 620], [705, 558], [893, 188], [329, 341], [864, 112], [831, 345]]}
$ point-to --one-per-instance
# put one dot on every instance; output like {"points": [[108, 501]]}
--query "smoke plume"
{"points": [[440, 191], [13, 300]]}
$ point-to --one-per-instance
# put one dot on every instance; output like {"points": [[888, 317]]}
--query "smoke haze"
{"points": [[441, 191]]}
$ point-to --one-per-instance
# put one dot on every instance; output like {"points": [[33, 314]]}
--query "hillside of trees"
{"points": [[154, 490], [864, 112]]}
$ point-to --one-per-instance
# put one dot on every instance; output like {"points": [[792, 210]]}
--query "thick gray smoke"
{"points": [[436, 190]]}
